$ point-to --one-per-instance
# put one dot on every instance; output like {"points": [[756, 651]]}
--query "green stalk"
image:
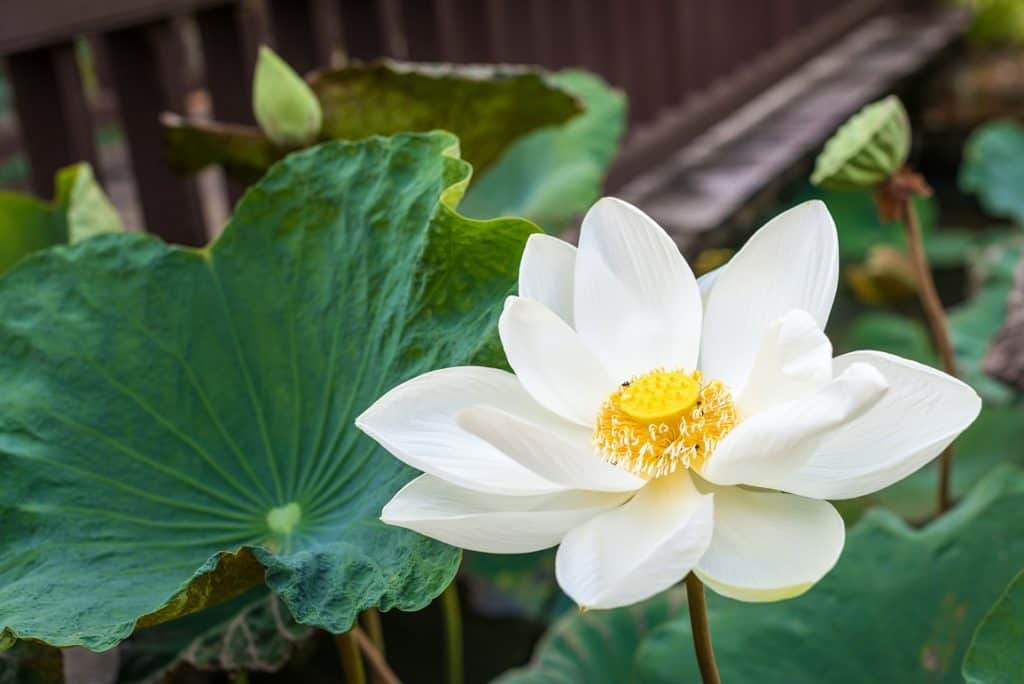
{"points": [[452, 632]]}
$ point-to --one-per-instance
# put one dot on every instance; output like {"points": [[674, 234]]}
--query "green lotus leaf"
{"points": [[598, 646], [867, 149], [285, 107], [191, 145], [486, 107], [253, 632], [179, 422], [554, 174], [80, 210], [993, 168], [995, 655], [900, 606]]}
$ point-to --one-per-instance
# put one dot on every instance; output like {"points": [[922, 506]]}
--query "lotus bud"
{"points": [[866, 150], [285, 106]]}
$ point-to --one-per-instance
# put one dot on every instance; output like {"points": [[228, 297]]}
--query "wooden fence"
{"points": [[683, 63]]}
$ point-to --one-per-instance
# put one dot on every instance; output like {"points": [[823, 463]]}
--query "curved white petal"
{"points": [[637, 304], [706, 282], [923, 411], [562, 453], [769, 546], [552, 362], [488, 522], [416, 422], [546, 274], [790, 263], [795, 359], [634, 551], [763, 449]]}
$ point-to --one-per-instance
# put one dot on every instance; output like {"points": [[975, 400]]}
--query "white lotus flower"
{"points": [[657, 425]]}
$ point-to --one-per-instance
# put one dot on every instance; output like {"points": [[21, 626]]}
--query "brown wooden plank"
{"points": [[361, 29], [396, 44], [421, 26], [462, 30], [291, 25], [146, 65], [511, 29], [52, 112], [30, 24]]}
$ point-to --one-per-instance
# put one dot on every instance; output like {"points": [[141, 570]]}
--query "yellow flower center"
{"points": [[664, 419]]}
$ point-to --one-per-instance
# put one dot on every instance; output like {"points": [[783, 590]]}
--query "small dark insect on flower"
{"points": [[626, 384]]}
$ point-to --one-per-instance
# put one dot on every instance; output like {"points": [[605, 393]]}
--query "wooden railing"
{"points": [[683, 63]]}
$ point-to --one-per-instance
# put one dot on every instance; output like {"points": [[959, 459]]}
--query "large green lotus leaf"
{"points": [[487, 107], [554, 174], [598, 647], [80, 210], [252, 632], [178, 422], [996, 654], [993, 168]]}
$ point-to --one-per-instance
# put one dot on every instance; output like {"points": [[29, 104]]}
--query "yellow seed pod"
{"points": [[867, 149]]}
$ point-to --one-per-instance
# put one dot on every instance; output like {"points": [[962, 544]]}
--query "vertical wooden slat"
{"points": [[53, 114], [511, 30], [421, 25], [396, 43], [146, 64], [462, 29], [228, 77], [291, 24], [589, 51], [361, 29]]}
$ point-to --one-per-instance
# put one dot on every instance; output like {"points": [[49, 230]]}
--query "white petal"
{"points": [[635, 551], [416, 422], [706, 282], [769, 546], [488, 522], [562, 453], [637, 302], [546, 273], [552, 362], [763, 449], [923, 411], [794, 360], [790, 263]]}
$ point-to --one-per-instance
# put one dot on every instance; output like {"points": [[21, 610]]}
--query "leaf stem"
{"points": [[701, 632], [382, 672], [452, 632], [937, 324], [351, 660]]}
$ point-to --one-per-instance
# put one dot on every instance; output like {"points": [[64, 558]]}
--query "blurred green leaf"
{"points": [[993, 168], [599, 647], [996, 654], [80, 210], [287, 110], [554, 174], [900, 606], [867, 149], [191, 145]]}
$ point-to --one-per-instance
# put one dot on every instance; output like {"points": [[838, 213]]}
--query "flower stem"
{"points": [[351, 660], [937, 324], [374, 630], [452, 632], [382, 672], [701, 632]]}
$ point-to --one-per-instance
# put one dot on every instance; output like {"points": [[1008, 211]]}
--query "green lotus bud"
{"points": [[285, 106], [866, 150]]}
